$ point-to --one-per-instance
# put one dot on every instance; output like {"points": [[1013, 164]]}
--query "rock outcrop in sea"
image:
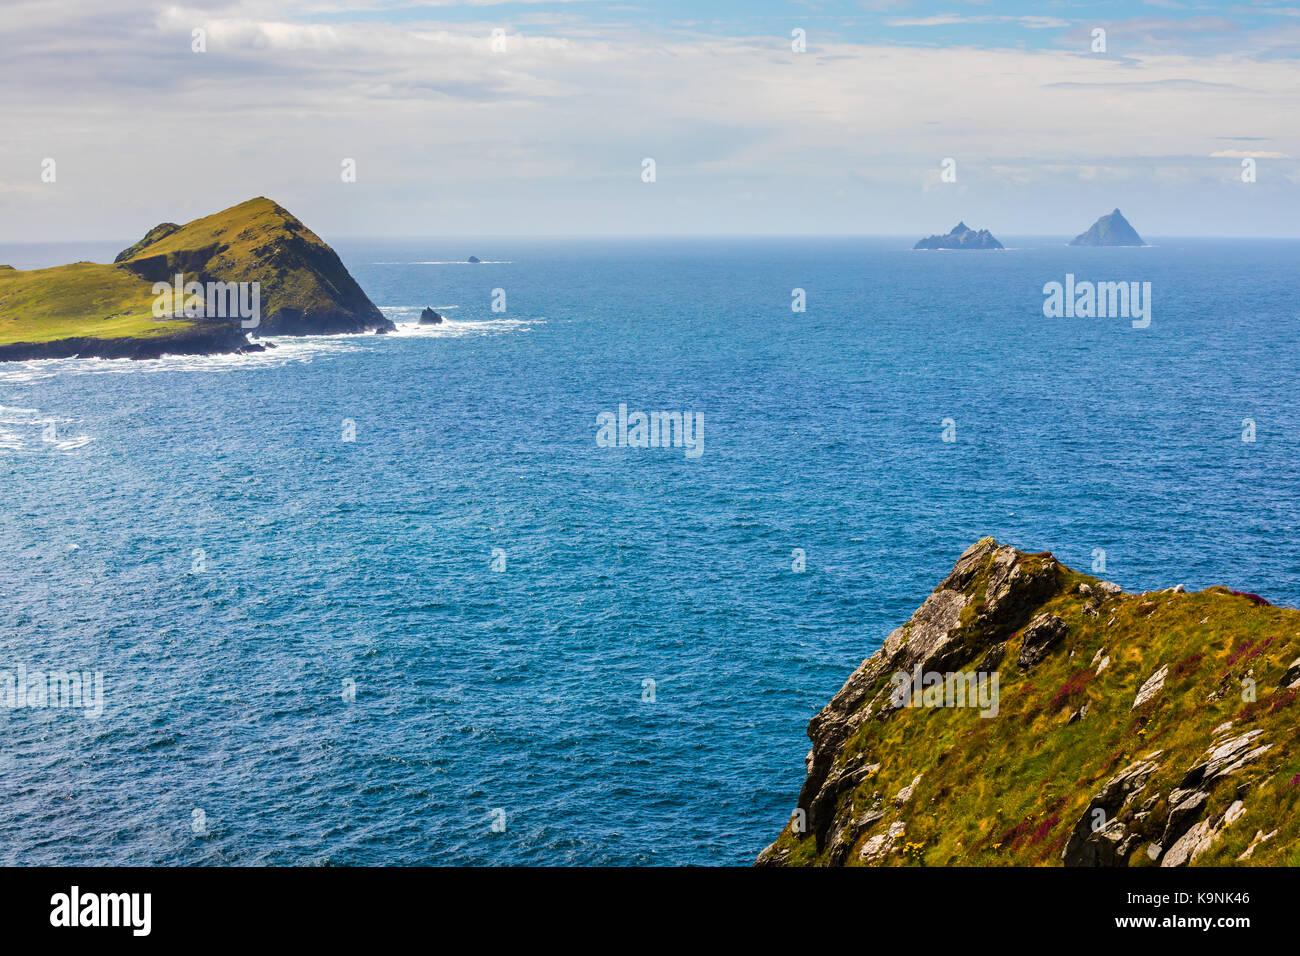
{"points": [[961, 237], [1107, 729], [1111, 229], [474, 259], [430, 317]]}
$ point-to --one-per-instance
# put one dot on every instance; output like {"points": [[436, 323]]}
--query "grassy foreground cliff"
{"points": [[106, 310], [1155, 729]]}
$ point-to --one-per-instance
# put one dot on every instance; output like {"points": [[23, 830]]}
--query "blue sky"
{"points": [[545, 132], [1024, 25]]}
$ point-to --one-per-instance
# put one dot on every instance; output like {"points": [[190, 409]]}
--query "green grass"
{"points": [[1008, 790], [245, 243], [85, 299]]}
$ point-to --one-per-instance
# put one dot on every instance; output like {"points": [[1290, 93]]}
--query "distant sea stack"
{"points": [[97, 310], [961, 237], [1110, 230], [474, 259], [430, 317]]}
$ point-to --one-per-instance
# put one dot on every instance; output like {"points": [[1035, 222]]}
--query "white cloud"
{"points": [[952, 19], [1247, 154], [452, 137]]}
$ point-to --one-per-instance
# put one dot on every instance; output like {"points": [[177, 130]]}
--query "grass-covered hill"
{"points": [[96, 309], [1154, 729]]}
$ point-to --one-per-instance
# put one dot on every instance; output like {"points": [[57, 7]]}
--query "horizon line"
{"points": [[463, 237]]}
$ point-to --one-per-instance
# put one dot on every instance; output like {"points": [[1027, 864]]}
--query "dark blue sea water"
{"points": [[198, 531]]}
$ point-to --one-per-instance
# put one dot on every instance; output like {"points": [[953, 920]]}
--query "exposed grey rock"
{"points": [[1109, 846], [992, 658], [1155, 683], [1111, 843], [1260, 837], [846, 833], [1191, 845], [906, 793], [1185, 807], [1224, 758], [882, 843], [1201, 837], [771, 855], [1043, 633]]}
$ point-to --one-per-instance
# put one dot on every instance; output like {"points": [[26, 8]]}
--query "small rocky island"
{"points": [[1107, 729], [1111, 229], [101, 310], [474, 259], [430, 317], [961, 237]]}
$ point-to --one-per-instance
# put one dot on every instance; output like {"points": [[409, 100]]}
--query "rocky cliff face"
{"points": [[1028, 714], [213, 338], [961, 237], [1111, 229]]}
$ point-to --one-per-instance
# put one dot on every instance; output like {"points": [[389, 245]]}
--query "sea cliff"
{"points": [[1152, 729]]}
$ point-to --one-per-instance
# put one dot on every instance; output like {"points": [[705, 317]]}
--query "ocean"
{"points": [[387, 600]]}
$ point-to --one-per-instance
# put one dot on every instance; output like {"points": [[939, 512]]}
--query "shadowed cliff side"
{"points": [[305, 289], [1150, 729]]}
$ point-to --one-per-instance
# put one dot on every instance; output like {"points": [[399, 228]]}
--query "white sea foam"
{"points": [[72, 444], [28, 433], [10, 415], [407, 320], [288, 350]]}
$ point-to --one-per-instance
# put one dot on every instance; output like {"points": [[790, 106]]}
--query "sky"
{"points": [[536, 118]]}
